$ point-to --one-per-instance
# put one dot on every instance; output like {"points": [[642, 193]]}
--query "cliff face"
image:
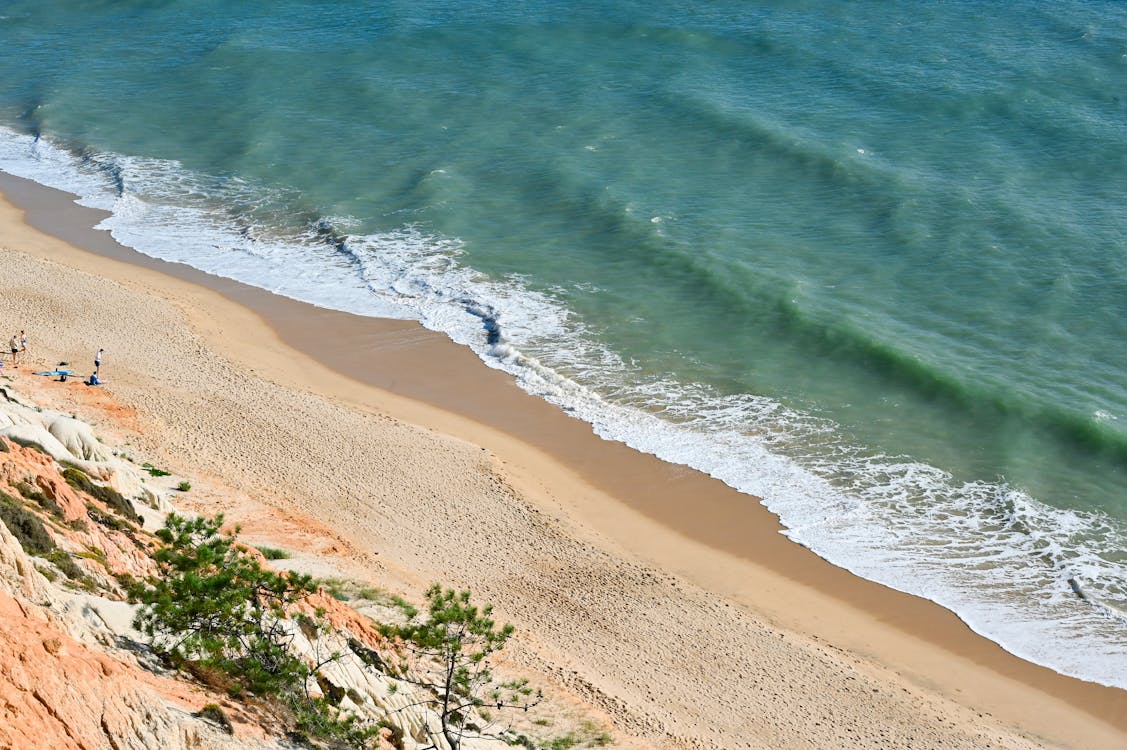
{"points": [[59, 687], [55, 692], [76, 521], [71, 673]]}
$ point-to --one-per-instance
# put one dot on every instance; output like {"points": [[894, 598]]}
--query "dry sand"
{"points": [[653, 592]]}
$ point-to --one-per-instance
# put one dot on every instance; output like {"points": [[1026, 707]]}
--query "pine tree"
{"points": [[453, 647], [215, 604]]}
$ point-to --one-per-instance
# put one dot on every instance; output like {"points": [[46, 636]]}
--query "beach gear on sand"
{"points": [[59, 371]]}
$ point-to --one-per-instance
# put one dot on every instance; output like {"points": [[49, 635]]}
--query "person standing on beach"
{"points": [[23, 346], [14, 344], [98, 362]]}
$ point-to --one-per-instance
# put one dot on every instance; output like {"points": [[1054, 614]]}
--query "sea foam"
{"points": [[1049, 585]]}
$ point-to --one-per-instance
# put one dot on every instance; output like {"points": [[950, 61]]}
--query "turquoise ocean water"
{"points": [[865, 260]]}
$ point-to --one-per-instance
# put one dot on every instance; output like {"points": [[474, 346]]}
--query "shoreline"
{"points": [[723, 541]]}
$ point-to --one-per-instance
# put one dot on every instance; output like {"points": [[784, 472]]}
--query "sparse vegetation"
{"points": [[213, 713], [33, 536], [154, 471], [64, 562], [184, 486], [25, 526], [344, 590], [93, 553], [273, 553], [31, 493], [34, 445], [109, 521], [108, 496]]}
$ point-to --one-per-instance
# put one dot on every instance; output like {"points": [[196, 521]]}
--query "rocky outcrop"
{"points": [[65, 679], [58, 692], [70, 674], [22, 466], [64, 695], [105, 549], [78, 438], [71, 441]]}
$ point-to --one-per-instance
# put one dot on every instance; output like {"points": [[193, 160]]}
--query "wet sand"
{"points": [[630, 576]]}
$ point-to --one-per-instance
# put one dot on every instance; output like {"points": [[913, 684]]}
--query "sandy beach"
{"points": [[659, 596]]}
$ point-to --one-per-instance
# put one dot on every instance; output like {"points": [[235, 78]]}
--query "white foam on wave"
{"points": [[1007, 564], [162, 210], [40, 160], [995, 556]]}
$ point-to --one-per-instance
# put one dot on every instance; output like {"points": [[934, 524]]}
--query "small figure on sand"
{"points": [[23, 345], [14, 345], [98, 362]]}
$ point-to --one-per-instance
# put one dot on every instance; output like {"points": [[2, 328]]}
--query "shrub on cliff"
{"points": [[32, 493], [25, 526], [213, 713], [454, 647], [33, 536], [317, 717], [110, 497]]}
